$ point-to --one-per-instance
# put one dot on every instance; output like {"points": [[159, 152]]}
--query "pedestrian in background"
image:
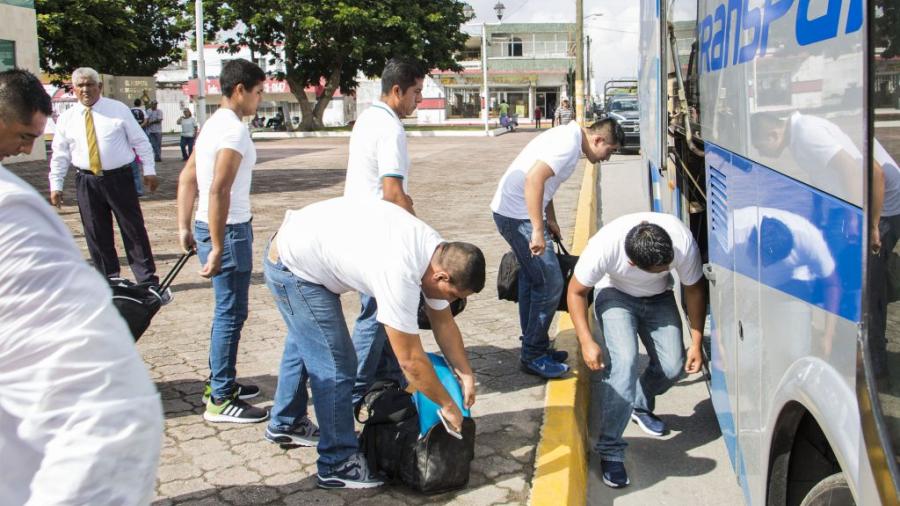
{"points": [[154, 129], [188, 133], [219, 173], [564, 113], [99, 137], [80, 420], [525, 217], [136, 166], [378, 168], [538, 112]]}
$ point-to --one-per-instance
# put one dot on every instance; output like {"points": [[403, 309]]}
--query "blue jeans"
{"points": [[187, 147], [231, 287], [540, 285], [156, 144], [373, 351], [318, 349], [624, 319], [138, 177]]}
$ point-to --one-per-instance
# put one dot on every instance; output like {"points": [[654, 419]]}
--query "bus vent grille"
{"points": [[718, 206]]}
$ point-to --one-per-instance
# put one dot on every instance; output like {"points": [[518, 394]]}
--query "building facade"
{"points": [[19, 48]]}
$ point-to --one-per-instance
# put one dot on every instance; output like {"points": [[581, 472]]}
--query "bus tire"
{"points": [[832, 491]]}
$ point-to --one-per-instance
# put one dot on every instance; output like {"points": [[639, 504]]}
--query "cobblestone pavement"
{"points": [[452, 182]]}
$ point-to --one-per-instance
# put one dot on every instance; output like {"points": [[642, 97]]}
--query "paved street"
{"points": [[452, 182], [690, 465]]}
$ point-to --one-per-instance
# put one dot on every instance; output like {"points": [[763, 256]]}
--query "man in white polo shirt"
{"points": [[628, 263], [339, 245], [220, 171], [524, 214], [378, 167]]}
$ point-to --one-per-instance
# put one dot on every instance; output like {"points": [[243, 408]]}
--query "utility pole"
{"points": [[579, 61], [587, 75], [484, 77], [201, 64]]}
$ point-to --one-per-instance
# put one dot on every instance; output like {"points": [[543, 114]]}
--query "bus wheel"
{"points": [[832, 491]]}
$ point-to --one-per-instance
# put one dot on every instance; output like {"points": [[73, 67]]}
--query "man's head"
{"points": [[777, 241], [456, 271], [565, 103], [601, 139], [87, 85], [187, 113], [137, 102], [767, 132], [153, 105], [24, 107], [242, 84], [401, 85], [649, 248]]}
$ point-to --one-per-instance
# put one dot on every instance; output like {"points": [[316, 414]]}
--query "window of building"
{"points": [[7, 54], [516, 98], [463, 102]]}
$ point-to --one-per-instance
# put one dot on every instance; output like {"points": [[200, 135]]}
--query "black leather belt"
{"points": [[105, 172]]}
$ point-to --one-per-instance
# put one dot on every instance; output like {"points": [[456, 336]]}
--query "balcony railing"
{"points": [[528, 48]]}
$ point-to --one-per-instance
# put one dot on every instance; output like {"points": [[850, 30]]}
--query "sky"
{"points": [[614, 35]]}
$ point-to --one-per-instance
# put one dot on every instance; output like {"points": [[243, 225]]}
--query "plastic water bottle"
{"points": [[427, 409]]}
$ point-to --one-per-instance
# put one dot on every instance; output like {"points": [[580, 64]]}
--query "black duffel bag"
{"points": [[456, 307], [432, 464], [139, 303], [508, 276]]}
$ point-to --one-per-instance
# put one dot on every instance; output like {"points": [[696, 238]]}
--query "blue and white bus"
{"points": [[772, 127]]}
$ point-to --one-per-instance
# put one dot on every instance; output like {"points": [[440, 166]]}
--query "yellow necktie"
{"points": [[93, 148]]}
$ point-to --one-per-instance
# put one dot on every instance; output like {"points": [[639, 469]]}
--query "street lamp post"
{"points": [[579, 61], [201, 64], [469, 12]]}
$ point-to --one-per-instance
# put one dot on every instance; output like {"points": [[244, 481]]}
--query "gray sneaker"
{"points": [[352, 473], [303, 433]]}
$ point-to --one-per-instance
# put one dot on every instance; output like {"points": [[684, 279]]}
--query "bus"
{"points": [[772, 129]]}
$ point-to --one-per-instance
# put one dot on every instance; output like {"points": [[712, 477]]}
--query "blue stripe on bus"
{"points": [[835, 237], [655, 190]]}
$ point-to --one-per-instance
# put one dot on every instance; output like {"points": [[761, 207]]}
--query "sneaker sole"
{"points": [[615, 485], [211, 417], [333, 483], [532, 372], [644, 428], [284, 439]]}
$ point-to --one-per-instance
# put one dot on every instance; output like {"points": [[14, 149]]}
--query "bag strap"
{"points": [[167, 281], [559, 245]]}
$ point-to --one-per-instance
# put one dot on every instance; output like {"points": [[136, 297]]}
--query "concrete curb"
{"points": [[561, 466], [414, 133]]}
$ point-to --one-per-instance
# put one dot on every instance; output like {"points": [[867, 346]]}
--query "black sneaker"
{"points": [[352, 473], [233, 410], [614, 474], [648, 422], [558, 355], [244, 391], [304, 433]]}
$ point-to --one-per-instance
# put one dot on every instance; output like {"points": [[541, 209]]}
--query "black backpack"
{"points": [[508, 276], [432, 464], [456, 307]]}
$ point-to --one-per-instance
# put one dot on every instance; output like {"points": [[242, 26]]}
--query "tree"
{"points": [[328, 43], [123, 37]]}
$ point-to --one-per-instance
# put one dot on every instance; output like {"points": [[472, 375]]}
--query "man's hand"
{"points": [[593, 356], [553, 227], [186, 238], [538, 244], [151, 183], [694, 359], [875, 239], [213, 264], [56, 199], [468, 389], [453, 416]]}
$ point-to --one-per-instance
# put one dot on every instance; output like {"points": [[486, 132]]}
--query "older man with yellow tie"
{"points": [[99, 137]]}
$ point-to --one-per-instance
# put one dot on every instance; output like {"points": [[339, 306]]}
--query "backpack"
{"points": [[138, 115]]}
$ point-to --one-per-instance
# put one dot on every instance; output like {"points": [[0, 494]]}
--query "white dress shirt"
{"points": [[118, 137], [80, 420]]}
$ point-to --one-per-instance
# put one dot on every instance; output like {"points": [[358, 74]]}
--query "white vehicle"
{"points": [[758, 128]]}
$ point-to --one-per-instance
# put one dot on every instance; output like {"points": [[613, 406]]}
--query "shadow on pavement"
{"points": [[183, 397]]}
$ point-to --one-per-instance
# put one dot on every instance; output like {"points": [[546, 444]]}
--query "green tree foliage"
{"points": [[122, 37], [332, 42]]}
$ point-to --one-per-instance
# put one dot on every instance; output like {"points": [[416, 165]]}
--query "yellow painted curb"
{"points": [[561, 466]]}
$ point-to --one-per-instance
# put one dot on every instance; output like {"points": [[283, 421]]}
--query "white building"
{"points": [[19, 48]]}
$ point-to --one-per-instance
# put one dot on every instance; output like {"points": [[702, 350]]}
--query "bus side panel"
{"points": [[650, 92]]}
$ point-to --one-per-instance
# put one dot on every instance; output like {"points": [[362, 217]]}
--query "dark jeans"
{"points": [[156, 143], [187, 147], [373, 350], [232, 291], [99, 199]]}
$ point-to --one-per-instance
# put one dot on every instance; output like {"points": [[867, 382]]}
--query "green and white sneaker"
{"points": [[244, 391], [233, 410]]}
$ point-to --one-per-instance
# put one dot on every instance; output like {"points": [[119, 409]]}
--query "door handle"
{"points": [[708, 273]]}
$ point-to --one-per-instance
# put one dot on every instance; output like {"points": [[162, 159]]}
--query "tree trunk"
{"points": [[334, 81]]}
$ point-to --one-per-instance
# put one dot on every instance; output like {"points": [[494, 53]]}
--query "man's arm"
{"points": [[392, 191], [187, 194], [552, 224], [576, 298], [59, 164], [877, 206], [420, 373], [695, 300], [535, 180], [228, 161], [449, 340]]}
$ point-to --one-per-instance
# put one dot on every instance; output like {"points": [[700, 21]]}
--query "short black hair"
{"points": [[465, 264], [401, 71], [22, 95], [648, 245], [137, 102], [609, 126], [240, 71], [763, 123]]}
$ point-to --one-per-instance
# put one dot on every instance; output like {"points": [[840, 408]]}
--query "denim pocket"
{"points": [[239, 239], [279, 291]]}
